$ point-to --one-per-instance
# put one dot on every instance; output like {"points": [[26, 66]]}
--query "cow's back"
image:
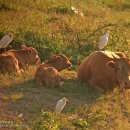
{"points": [[8, 63], [95, 65], [19, 54], [83, 72]]}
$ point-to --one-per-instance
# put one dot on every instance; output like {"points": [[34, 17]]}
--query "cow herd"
{"points": [[48, 72], [103, 70], [18, 60]]}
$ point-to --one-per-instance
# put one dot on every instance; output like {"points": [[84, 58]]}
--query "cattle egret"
{"points": [[103, 40], [77, 11], [81, 14], [5, 40], [73, 8], [20, 115], [60, 105]]}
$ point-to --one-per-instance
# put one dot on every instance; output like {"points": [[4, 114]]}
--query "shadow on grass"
{"points": [[29, 98]]}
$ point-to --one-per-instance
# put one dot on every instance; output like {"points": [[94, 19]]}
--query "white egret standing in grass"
{"points": [[77, 11], [104, 40], [5, 40], [20, 115], [60, 105]]}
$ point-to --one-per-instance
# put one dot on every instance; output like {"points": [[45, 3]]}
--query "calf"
{"points": [[8, 63], [49, 77], [52, 66], [25, 56]]}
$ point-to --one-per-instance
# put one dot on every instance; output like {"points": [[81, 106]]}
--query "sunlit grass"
{"points": [[13, 97], [86, 108], [51, 27], [8, 80]]}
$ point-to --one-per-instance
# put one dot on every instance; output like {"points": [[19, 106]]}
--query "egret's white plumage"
{"points": [[77, 11], [81, 14], [73, 8], [20, 115], [103, 40], [5, 40], [60, 105]]}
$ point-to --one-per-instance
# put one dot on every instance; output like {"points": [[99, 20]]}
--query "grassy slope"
{"points": [[20, 94], [47, 26]]}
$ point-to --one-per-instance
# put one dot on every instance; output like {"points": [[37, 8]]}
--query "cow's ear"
{"points": [[53, 56], [111, 64], [29, 50], [59, 58], [23, 47]]}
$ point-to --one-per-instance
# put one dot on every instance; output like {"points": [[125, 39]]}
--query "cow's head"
{"points": [[122, 71], [32, 53], [62, 60], [65, 62]]}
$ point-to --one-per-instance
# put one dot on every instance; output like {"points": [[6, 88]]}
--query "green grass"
{"points": [[51, 27], [86, 109]]}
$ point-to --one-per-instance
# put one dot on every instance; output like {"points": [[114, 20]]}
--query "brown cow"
{"points": [[57, 62], [49, 77], [8, 63], [105, 70], [62, 63], [25, 56]]}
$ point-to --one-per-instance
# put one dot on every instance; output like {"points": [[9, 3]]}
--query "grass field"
{"points": [[51, 27]]}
